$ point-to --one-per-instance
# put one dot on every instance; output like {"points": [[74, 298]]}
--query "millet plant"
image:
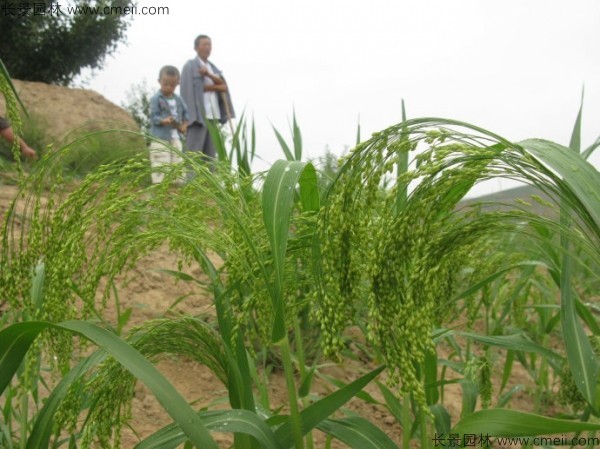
{"points": [[390, 237]]}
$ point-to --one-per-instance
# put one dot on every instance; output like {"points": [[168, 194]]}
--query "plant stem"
{"points": [[302, 369], [406, 421], [24, 417], [424, 433], [288, 369], [542, 380]]}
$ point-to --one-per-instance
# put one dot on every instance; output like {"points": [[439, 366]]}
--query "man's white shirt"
{"points": [[211, 100]]}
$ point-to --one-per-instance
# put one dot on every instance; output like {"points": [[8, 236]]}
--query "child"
{"points": [[6, 131], [169, 118]]}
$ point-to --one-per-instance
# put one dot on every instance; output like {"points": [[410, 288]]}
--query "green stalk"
{"points": [[542, 380], [442, 389], [5, 435], [402, 166], [299, 348], [23, 419], [424, 433], [288, 369], [302, 370], [425, 442], [406, 421]]}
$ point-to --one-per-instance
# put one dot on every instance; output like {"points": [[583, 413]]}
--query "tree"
{"points": [[52, 42], [138, 104]]}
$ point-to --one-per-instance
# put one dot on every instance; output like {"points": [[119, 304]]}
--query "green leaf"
{"points": [[315, 413], [179, 275], [252, 140], [430, 369], [309, 189], [587, 317], [278, 201], [515, 342], [393, 403], [510, 423], [504, 398], [589, 150], [234, 421], [44, 423], [441, 419], [16, 339], [238, 376], [575, 142], [357, 433], [469, 396], [175, 405], [362, 395], [582, 179], [580, 354], [579, 175], [297, 137], [221, 303], [479, 285], [402, 165], [219, 143], [284, 146], [304, 388], [507, 371], [6, 75], [5, 436]]}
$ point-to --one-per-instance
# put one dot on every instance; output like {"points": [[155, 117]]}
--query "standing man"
{"points": [[205, 93]]}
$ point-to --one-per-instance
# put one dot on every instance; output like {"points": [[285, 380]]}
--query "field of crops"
{"points": [[372, 266]]}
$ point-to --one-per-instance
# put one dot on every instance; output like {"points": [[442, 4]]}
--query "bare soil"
{"points": [[61, 110]]}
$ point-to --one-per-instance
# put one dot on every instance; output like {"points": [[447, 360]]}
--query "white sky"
{"points": [[515, 67]]}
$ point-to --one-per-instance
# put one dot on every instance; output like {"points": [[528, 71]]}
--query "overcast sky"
{"points": [[515, 67]]}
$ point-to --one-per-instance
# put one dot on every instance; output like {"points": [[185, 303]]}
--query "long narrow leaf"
{"points": [[393, 403], [44, 423], [297, 137], [589, 150], [515, 342], [175, 405], [441, 419], [479, 285], [511, 423], [579, 175], [583, 180], [239, 379], [278, 201], [309, 189], [16, 339], [234, 421], [219, 143], [575, 142], [357, 433], [315, 413], [430, 371], [284, 146], [6, 75]]}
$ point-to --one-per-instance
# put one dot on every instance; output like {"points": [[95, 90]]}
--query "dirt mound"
{"points": [[63, 109]]}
